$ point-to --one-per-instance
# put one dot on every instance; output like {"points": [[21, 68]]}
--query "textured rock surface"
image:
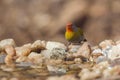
{"points": [[51, 61]]}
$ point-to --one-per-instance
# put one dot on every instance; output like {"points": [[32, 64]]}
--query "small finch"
{"points": [[74, 34]]}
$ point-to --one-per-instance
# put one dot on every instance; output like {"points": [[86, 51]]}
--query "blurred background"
{"points": [[28, 20]]}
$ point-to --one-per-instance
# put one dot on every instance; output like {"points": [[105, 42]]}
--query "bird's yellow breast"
{"points": [[69, 35], [73, 36]]}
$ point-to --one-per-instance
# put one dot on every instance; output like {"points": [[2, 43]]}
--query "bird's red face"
{"points": [[69, 27]]}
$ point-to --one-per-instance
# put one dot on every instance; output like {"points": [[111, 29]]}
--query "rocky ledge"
{"points": [[56, 61]]}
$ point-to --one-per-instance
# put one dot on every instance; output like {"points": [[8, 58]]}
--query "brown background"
{"points": [[28, 20]]}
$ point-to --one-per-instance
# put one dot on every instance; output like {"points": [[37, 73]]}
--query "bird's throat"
{"points": [[69, 29]]}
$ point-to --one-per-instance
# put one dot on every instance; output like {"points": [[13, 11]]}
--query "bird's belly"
{"points": [[69, 35], [73, 37]]}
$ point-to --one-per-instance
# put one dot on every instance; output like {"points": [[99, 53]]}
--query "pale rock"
{"points": [[94, 47], [38, 45], [87, 74], [54, 62], [95, 51], [24, 50], [102, 65], [70, 57], [24, 64], [56, 69], [106, 52], [73, 48], [107, 72], [2, 58], [54, 50], [9, 60], [27, 45], [104, 44], [11, 53], [46, 53], [115, 52], [110, 71], [98, 56], [74, 67], [101, 59], [14, 78], [56, 53], [77, 60], [115, 62], [115, 70], [6, 42], [56, 66], [7, 68], [10, 50], [21, 59], [118, 42], [51, 45], [84, 50], [36, 58], [64, 77]]}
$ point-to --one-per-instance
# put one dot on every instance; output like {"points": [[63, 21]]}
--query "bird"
{"points": [[74, 34]]}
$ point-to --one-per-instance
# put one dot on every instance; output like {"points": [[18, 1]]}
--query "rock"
{"points": [[70, 57], [54, 50], [77, 60], [87, 74], [10, 50], [7, 68], [56, 69], [56, 66], [110, 71], [21, 59], [97, 55], [107, 72], [14, 78], [46, 53], [66, 77], [38, 45], [102, 65], [115, 52], [84, 51], [73, 48], [54, 62], [9, 60], [24, 64], [106, 43], [115, 62], [95, 51], [51, 45], [100, 55], [24, 50], [6, 42], [36, 58], [56, 53], [118, 42], [75, 67], [100, 59], [2, 58]]}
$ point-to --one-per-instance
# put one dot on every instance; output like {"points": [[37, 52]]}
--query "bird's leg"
{"points": [[68, 43]]}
